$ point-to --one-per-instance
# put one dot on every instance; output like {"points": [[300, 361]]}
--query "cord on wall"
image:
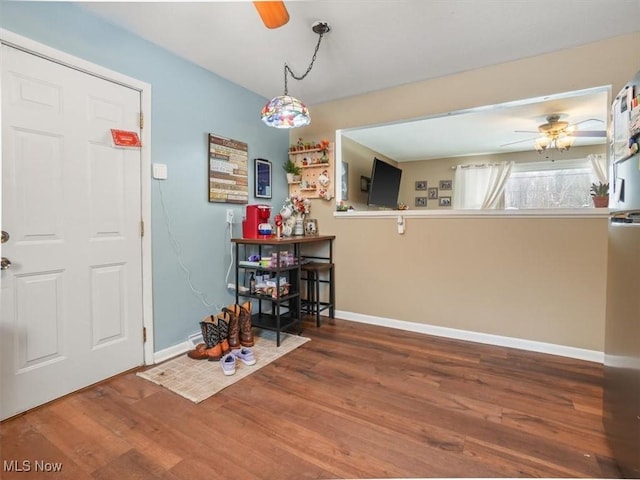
{"points": [[230, 286], [177, 248]]}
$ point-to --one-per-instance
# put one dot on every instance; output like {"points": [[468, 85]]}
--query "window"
{"points": [[563, 184]]}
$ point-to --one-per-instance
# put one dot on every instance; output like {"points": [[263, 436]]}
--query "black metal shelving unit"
{"points": [[270, 314], [282, 312]]}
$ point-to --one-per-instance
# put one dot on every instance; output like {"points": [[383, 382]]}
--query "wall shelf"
{"points": [[315, 165], [312, 171]]}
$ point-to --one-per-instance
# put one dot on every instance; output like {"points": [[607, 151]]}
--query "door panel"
{"points": [[106, 186], [72, 300], [37, 167], [39, 319], [108, 304]]}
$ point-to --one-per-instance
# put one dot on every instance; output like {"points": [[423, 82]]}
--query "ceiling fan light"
{"points": [[273, 14], [285, 111], [542, 143], [564, 142]]}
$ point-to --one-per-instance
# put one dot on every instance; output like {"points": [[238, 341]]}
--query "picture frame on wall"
{"points": [[365, 183], [445, 184], [421, 185], [432, 193], [444, 201], [228, 170], [421, 201], [345, 181], [262, 178]]}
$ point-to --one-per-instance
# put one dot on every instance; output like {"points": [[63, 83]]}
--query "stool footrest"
{"points": [[312, 304]]}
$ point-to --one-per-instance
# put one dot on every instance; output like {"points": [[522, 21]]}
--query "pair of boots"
{"points": [[223, 332]]}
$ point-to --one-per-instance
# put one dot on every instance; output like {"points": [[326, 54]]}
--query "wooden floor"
{"points": [[358, 401]]}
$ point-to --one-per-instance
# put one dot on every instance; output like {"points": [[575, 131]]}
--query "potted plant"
{"points": [[292, 170], [600, 194]]}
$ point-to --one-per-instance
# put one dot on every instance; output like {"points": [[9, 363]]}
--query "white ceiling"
{"points": [[374, 44]]}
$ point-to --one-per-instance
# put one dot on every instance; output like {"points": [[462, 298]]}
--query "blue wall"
{"points": [[188, 102]]}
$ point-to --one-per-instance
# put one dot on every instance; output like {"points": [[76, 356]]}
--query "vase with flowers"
{"points": [[293, 211], [324, 149]]}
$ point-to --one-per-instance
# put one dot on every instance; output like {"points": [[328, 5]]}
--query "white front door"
{"points": [[71, 204]]}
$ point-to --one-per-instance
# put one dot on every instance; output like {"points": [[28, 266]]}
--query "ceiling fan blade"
{"points": [[526, 131], [587, 120], [273, 14], [519, 141], [588, 133]]}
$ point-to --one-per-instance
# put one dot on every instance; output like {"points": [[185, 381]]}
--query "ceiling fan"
{"points": [[559, 134], [273, 14]]}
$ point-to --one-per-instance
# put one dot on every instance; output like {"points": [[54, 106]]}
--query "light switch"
{"points": [[160, 171]]}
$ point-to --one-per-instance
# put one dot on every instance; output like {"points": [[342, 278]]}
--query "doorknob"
{"points": [[5, 263], [5, 237]]}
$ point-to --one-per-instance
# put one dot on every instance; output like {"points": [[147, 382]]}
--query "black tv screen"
{"points": [[385, 185]]}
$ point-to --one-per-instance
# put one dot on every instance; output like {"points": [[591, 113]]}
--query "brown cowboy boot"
{"points": [[213, 338], [234, 327], [246, 334], [199, 352], [223, 331], [210, 349]]}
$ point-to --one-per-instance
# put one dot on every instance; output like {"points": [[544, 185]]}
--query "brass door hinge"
{"points": [[144, 334], [141, 120], [142, 228]]}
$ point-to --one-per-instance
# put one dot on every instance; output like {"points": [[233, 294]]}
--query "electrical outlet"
{"points": [[229, 216]]}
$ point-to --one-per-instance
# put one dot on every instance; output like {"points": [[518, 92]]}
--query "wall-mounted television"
{"points": [[385, 185]]}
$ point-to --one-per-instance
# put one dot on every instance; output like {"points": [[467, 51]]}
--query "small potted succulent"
{"points": [[600, 194], [292, 170]]}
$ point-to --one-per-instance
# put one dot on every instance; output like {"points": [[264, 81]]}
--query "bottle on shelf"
{"points": [[252, 284]]}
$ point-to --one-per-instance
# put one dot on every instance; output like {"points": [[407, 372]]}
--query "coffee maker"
{"points": [[256, 222]]}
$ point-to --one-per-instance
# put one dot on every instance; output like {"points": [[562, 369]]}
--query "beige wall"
{"points": [[535, 279]]}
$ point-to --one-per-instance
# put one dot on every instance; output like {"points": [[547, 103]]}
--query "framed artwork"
{"points": [[228, 170], [421, 185], [445, 184], [444, 201], [432, 193], [262, 178], [365, 183], [421, 201], [344, 194], [311, 226]]}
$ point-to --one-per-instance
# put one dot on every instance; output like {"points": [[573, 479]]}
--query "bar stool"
{"points": [[312, 305]]}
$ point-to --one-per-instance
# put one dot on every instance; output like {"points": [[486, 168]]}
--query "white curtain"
{"points": [[599, 165], [480, 186], [498, 176]]}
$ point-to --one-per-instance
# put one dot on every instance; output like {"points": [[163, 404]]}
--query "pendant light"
{"points": [[273, 14], [286, 111]]}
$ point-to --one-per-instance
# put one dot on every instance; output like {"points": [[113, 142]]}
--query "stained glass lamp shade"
{"points": [[285, 111]]}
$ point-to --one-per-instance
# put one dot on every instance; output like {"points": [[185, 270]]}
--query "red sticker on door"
{"points": [[124, 138]]}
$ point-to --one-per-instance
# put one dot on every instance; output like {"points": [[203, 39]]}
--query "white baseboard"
{"points": [[498, 340], [173, 351], [530, 345]]}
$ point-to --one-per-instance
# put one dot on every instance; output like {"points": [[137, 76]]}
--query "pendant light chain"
{"points": [[285, 111], [313, 59]]}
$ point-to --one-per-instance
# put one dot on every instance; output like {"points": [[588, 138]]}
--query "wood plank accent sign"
{"points": [[228, 170]]}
